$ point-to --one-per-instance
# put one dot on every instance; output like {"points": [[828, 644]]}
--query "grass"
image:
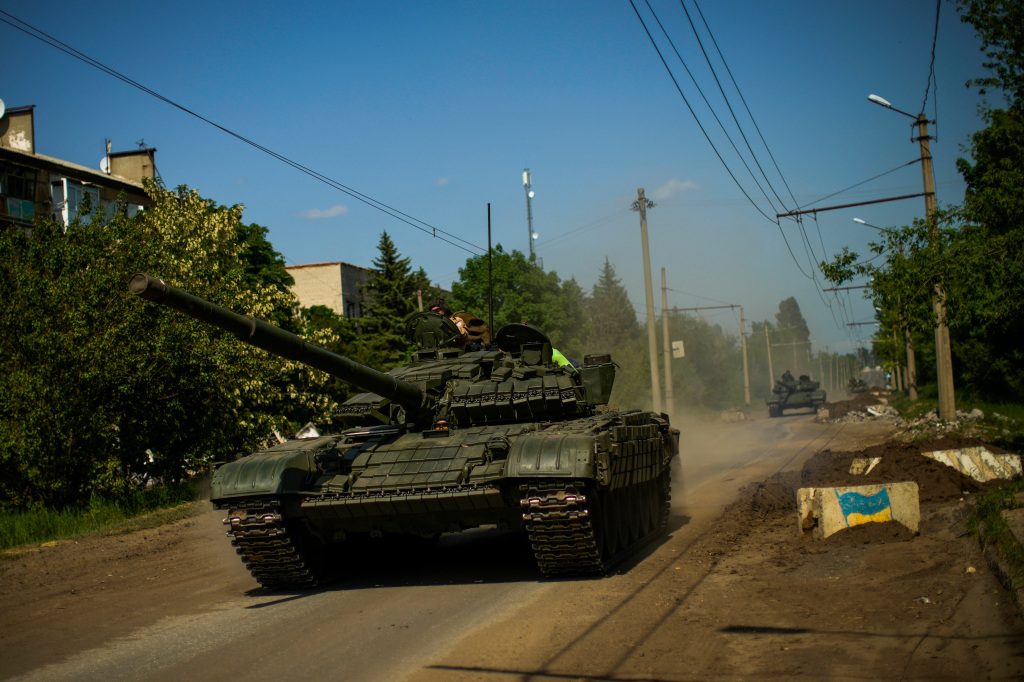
{"points": [[986, 521], [140, 509]]}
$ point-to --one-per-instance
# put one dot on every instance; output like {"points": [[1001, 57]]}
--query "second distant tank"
{"points": [[790, 393]]}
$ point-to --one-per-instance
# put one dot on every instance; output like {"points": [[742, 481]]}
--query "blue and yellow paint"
{"points": [[858, 508]]}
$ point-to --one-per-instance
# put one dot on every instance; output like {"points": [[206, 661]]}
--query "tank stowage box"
{"points": [[462, 436]]}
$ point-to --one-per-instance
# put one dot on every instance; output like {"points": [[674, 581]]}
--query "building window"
{"points": [[17, 192], [72, 199]]}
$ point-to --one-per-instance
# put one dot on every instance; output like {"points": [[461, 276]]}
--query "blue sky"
{"points": [[436, 108]]}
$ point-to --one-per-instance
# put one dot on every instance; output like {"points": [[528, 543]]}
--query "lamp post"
{"points": [[943, 355], [910, 379], [528, 188]]}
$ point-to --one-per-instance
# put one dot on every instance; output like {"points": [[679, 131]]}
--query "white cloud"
{"points": [[673, 187], [441, 182], [320, 213]]}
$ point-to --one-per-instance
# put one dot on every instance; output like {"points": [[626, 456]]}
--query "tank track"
{"points": [[274, 555], [575, 530]]}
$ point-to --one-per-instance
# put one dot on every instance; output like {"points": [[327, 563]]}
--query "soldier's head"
{"points": [[440, 307]]}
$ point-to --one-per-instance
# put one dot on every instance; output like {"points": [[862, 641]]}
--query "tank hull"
{"points": [[584, 491]]}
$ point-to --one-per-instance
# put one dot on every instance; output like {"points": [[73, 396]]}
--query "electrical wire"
{"points": [[862, 182], [712, 144], [714, 115], [725, 98], [420, 225], [931, 67], [686, 101]]}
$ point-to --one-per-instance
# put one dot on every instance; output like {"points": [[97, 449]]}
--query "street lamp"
{"points": [[943, 355]]}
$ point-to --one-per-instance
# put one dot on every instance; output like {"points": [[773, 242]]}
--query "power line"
{"points": [[742, 99], [694, 114], [712, 144], [931, 67], [714, 115], [420, 225], [725, 98]]}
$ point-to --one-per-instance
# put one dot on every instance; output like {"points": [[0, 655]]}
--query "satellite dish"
{"points": [[2, 108], [105, 165]]}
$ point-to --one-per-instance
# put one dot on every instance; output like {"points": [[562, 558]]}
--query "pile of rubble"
{"points": [[861, 407], [875, 405]]}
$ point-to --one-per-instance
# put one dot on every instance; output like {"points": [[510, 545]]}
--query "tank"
{"points": [[789, 393], [463, 436]]}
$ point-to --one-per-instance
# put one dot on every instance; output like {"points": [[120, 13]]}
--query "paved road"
{"points": [[405, 612]]}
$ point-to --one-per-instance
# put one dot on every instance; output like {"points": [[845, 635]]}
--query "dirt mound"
{"points": [[901, 461], [858, 403]]}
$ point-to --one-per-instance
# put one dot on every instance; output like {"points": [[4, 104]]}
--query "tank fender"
{"points": [[279, 470], [553, 454]]}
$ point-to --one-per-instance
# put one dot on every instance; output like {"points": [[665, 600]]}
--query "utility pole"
{"points": [[528, 188], [746, 370], [670, 406], [743, 341], [641, 205], [771, 370], [943, 353]]}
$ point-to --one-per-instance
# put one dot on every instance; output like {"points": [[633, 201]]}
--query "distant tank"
{"points": [[789, 393], [456, 439]]}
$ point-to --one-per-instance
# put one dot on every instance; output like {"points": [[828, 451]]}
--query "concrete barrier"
{"points": [[978, 463], [824, 511]]}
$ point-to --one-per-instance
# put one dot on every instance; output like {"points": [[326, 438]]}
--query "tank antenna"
{"points": [[490, 275]]}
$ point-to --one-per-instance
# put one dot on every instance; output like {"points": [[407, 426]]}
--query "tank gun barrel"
{"points": [[278, 341]]}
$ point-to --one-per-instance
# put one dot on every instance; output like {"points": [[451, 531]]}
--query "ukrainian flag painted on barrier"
{"points": [[858, 508]]}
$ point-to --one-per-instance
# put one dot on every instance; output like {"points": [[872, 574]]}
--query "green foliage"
{"points": [[792, 327], [1000, 26], [391, 297], [522, 292], [614, 322], [103, 391], [710, 375]]}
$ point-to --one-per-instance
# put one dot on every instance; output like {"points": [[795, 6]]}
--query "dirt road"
{"points": [[730, 593]]}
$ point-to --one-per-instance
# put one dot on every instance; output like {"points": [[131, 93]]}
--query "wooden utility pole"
{"points": [[771, 370], [943, 353], [641, 205], [746, 370], [670, 406]]}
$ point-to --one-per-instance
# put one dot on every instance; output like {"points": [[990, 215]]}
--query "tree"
{"points": [[391, 298], [522, 291], [1000, 26], [103, 391], [613, 317]]}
